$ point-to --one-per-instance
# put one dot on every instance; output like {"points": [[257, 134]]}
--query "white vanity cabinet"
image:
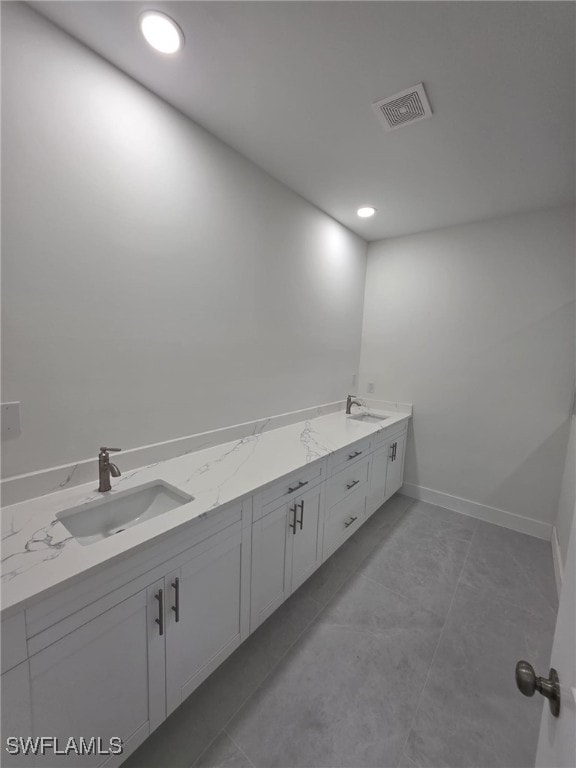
{"points": [[206, 611], [346, 492], [378, 471], [114, 653], [286, 549], [118, 666], [306, 536], [386, 471], [395, 468], [103, 679]]}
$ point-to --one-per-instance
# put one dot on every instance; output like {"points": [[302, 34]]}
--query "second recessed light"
{"points": [[366, 211]]}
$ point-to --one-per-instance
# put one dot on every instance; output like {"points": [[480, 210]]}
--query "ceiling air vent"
{"points": [[403, 108]]}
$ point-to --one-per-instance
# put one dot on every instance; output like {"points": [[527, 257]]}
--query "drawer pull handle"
{"points": [[301, 521], [292, 525], [301, 484], [352, 484], [349, 523], [353, 455], [176, 606], [160, 619], [395, 449]]}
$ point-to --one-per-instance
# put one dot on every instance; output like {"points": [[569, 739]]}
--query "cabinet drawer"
{"points": [[345, 482], [287, 488], [352, 453], [342, 520]]}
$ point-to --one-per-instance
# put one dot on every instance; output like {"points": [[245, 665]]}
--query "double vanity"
{"points": [[117, 606]]}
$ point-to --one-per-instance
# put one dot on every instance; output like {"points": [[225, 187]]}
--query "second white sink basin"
{"points": [[113, 514], [371, 417]]}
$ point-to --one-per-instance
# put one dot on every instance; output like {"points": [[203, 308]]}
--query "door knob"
{"points": [[549, 687]]}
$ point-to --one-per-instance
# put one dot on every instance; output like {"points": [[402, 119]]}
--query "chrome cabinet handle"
{"points": [[349, 523], [301, 521], [293, 523], [353, 455], [352, 484], [301, 484], [176, 606], [391, 452], [160, 619]]}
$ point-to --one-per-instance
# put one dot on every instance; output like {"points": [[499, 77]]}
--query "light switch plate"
{"points": [[370, 388], [10, 420]]}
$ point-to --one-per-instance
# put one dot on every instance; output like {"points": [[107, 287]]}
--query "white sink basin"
{"points": [[113, 514], [371, 417]]}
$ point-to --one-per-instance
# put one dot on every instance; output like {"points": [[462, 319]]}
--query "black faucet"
{"points": [[350, 402], [106, 468]]}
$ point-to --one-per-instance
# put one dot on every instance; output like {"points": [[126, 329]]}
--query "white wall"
{"points": [[475, 326], [567, 501], [155, 282]]}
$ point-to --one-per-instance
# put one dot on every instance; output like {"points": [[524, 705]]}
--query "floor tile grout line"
{"points": [[535, 614], [275, 665], [208, 746], [408, 760], [214, 740], [355, 570], [527, 574], [401, 594], [409, 731], [393, 591], [238, 747], [524, 571]]}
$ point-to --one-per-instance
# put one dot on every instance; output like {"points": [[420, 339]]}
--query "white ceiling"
{"points": [[290, 84]]}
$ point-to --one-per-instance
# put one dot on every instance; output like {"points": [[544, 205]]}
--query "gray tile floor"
{"points": [[398, 652]]}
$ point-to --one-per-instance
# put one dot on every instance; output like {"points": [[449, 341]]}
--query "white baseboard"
{"points": [[472, 508], [557, 557]]}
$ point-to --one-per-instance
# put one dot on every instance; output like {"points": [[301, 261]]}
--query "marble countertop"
{"points": [[39, 554]]}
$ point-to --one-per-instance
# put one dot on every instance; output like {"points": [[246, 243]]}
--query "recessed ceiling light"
{"points": [[366, 212], [161, 32]]}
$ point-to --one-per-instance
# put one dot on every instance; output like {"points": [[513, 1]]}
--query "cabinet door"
{"points": [[103, 679], [307, 541], [272, 542], [395, 470], [378, 471], [203, 613]]}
